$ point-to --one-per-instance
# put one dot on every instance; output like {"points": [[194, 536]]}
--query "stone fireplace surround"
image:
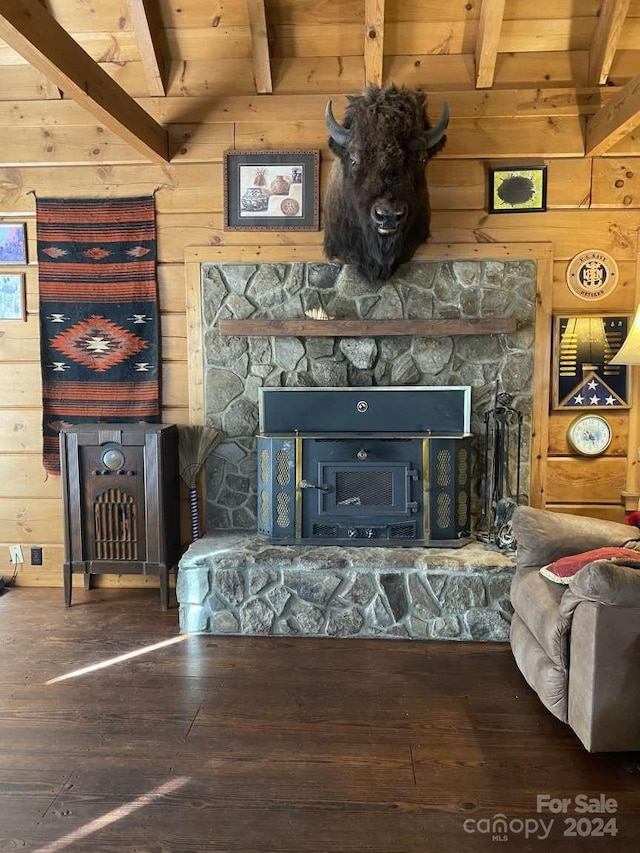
{"points": [[232, 580]]}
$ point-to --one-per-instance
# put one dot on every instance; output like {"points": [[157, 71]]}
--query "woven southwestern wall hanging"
{"points": [[98, 314]]}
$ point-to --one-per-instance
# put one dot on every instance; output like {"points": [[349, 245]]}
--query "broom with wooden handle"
{"points": [[195, 443]]}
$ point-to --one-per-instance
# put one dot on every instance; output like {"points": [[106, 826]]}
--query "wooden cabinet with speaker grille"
{"points": [[121, 493]]}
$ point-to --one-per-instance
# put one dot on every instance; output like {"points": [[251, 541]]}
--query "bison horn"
{"points": [[435, 134], [336, 131]]}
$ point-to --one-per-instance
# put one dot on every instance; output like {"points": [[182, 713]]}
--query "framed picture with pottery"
{"points": [[271, 190]]}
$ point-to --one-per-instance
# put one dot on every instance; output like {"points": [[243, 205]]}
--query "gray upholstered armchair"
{"points": [[578, 645]]}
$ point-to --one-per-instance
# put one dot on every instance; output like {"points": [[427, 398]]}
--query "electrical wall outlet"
{"points": [[15, 553], [36, 556]]}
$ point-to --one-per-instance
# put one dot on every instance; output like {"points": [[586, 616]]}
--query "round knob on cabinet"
{"points": [[362, 454]]}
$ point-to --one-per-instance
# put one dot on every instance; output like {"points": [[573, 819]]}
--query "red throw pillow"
{"points": [[566, 567]]}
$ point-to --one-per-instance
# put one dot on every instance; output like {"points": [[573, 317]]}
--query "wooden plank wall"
{"points": [[52, 148]]}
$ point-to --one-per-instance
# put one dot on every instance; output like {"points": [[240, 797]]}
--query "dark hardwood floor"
{"points": [[254, 745]]}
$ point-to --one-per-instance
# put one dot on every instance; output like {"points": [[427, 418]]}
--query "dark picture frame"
{"points": [[517, 189], [582, 378], [271, 190], [13, 243], [12, 296]]}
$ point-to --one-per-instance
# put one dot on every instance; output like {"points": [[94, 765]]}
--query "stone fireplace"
{"points": [[236, 367], [233, 581]]}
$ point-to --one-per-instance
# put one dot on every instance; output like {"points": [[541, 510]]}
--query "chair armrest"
{"points": [[543, 536], [604, 582]]}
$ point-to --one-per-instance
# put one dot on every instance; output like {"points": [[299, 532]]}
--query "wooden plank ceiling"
{"points": [[111, 56]]}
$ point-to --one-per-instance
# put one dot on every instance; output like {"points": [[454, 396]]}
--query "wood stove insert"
{"points": [[366, 466]]}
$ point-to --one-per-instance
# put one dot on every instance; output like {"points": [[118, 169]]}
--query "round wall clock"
{"points": [[589, 434]]}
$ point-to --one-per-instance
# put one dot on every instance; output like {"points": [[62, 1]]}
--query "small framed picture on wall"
{"points": [[514, 189], [13, 243], [12, 297], [271, 190]]}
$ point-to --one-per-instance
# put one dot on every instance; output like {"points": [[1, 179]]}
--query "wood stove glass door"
{"points": [[361, 482]]}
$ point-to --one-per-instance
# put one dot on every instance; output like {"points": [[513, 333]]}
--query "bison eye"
{"points": [[354, 162]]}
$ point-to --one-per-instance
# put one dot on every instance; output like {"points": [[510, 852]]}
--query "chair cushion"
{"points": [[604, 582], [543, 537], [549, 680], [537, 603], [562, 570]]}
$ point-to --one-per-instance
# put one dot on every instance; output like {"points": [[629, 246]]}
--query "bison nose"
{"points": [[387, 217]]}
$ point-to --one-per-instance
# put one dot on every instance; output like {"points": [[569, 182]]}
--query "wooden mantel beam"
{"points": [[373, 41], [367, 328], [260, 46], [147, 27], [605, 40], [38, 38], [487, 40], [615, 120]]}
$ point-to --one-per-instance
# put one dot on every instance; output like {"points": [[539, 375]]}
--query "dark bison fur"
{"points": [[376, 211]]}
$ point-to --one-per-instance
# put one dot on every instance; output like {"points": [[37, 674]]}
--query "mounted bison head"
{"points": [[377, 205]]}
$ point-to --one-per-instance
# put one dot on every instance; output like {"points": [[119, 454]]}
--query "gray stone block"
{"points": [[344, 623], [305, 617], [316, 588], [485, 624], [422, 604], [444, 628], [393, 586], [261, 578], [278, 597], [256, 617], [193, 619], [362, 591], [229, 583], [224, 622], [192, 586], [461, 593]]}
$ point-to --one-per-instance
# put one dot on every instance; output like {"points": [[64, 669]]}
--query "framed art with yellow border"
{"points": [[515, 189]]}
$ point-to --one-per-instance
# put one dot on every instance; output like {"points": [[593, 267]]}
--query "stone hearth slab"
{"points": [[236, 583]]}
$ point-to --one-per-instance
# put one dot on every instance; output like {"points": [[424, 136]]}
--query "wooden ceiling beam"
{"points": [[615, 120], [605, 40], [149, 33], [42, 42], [49, 89], [260, 46], [373, 41], [487, 40]]}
